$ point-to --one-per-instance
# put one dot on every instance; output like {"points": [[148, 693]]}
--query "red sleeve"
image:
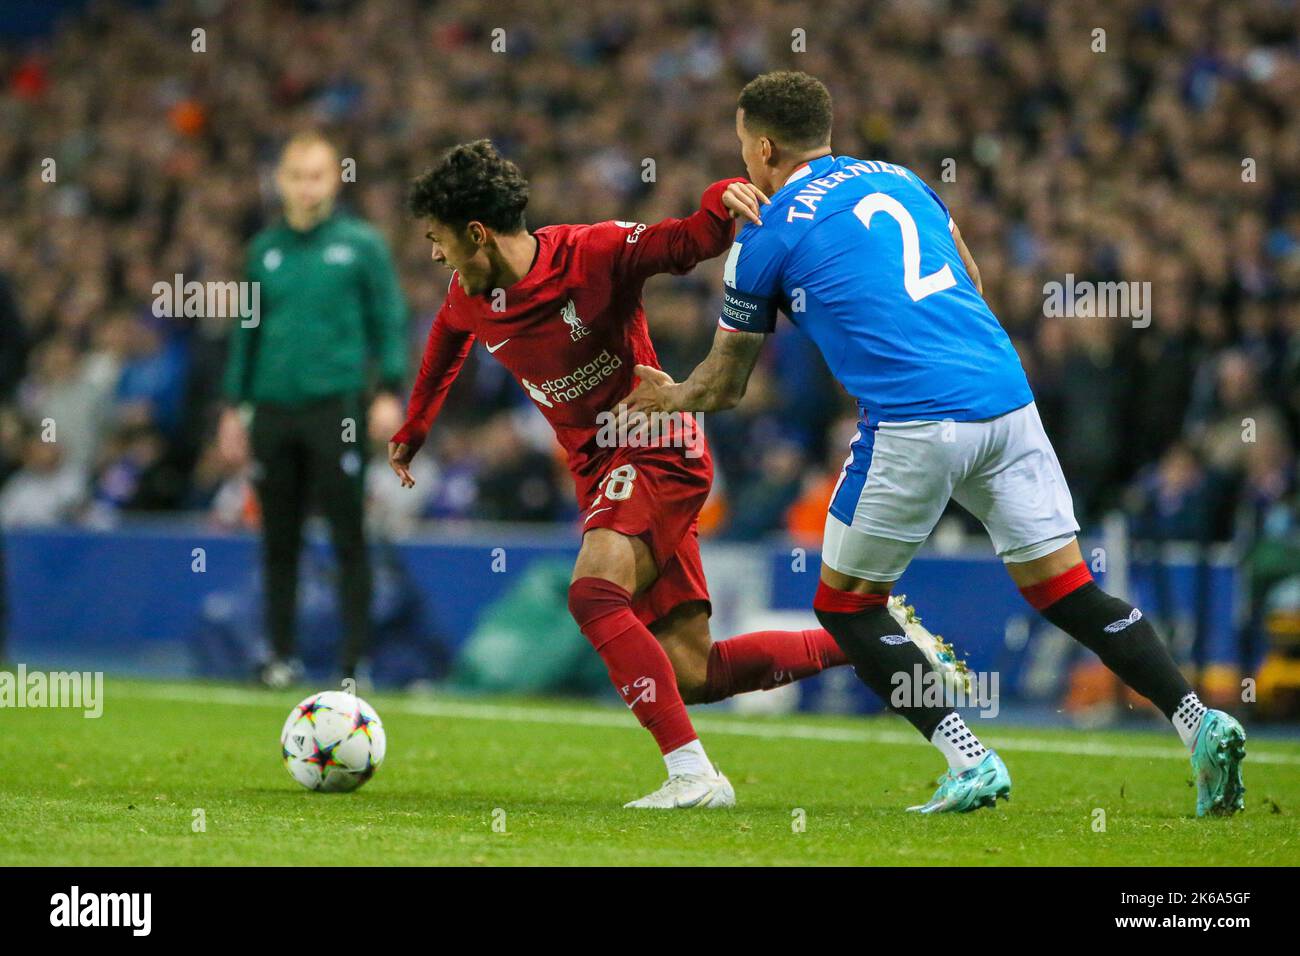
{"points": [[444, 354], [679, 245]]}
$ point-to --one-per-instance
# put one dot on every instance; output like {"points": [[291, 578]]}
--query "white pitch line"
{"points": [[510, 713]]}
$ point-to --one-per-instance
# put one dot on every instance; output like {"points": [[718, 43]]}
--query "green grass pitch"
{"points": [[479, 782]]}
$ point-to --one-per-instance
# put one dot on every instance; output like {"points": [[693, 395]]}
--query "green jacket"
{"points": [[330, 305]]}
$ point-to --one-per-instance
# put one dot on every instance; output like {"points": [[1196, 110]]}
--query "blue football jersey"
{"points": [[860, 255]]}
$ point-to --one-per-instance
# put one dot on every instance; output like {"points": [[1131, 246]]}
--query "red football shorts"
{"points": [[656, 494]]}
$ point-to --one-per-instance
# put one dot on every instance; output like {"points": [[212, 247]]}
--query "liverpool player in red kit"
{"points": [[561, 309]]}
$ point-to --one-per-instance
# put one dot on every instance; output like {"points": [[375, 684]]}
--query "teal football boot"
{"points": [[980, 786], [1216, 761]]}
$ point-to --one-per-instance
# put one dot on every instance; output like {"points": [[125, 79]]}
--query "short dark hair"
{"points": [[790, 106], [472, 182]]}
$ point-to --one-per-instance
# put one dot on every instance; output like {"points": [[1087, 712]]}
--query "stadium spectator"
{"points": [[64, 389], [516, 483], [45, 490], [1172, 499], [1173, 157]]}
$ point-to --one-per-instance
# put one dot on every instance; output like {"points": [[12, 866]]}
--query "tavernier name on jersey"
{"points": [[860, 255]]}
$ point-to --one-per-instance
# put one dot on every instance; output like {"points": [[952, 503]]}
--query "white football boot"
{"points": [[941, 655], [684, 791]]}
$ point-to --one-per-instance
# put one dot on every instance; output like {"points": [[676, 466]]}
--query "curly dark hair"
{"points": [[472, 182], [791, 107]]}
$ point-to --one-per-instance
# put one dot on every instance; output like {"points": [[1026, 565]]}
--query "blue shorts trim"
{"points": [[846, 497]]}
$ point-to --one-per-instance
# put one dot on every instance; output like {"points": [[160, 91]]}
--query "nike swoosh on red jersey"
{"points": [[596, 512]]}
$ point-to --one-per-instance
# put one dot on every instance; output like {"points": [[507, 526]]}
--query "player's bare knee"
{"points": [[692, 679], [613, 557], [684, 635]]}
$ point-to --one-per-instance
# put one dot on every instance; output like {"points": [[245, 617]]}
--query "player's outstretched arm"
{"points": [[718, 383], [444, 354], [677, 245]]}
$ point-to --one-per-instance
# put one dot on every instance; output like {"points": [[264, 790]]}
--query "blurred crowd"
{"points": [[1151, 141]]}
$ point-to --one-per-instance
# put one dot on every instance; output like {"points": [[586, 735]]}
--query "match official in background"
{"points": [[331, 331]]}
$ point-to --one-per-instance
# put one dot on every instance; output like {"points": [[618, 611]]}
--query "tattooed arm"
{"points": [[717, 383]]}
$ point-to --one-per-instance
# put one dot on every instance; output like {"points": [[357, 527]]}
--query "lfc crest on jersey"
{"points": [[570, 315]]}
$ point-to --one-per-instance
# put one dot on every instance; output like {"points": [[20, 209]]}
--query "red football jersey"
{"points": [[573, 328]]}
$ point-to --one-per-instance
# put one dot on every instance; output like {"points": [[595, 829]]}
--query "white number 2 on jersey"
{"points": [[917, 285]]}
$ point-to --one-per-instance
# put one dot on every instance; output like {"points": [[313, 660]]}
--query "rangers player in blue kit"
{"points": [[864, 257]]}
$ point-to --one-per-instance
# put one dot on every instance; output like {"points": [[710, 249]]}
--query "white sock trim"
{"points": [[1187, 719], [959, 746], [688, 758]]}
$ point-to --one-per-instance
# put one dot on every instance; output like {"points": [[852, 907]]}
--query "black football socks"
{"points": [[1125, 641], [878, 649]]}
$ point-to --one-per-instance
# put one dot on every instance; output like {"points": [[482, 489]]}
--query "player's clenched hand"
{"points": [[654, 393], [399, 459], [745, 199]]}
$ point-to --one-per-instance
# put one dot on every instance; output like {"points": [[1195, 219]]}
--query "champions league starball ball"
{"points": [[332, 742]]}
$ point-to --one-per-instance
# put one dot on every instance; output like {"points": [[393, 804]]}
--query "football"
{"points": [[332, 742]]}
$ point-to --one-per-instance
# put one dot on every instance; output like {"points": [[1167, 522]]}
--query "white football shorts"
{"points": [[899, 477]]}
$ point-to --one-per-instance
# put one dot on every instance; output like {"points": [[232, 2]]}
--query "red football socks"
{"points": [[637, 664], [766, 659]]}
